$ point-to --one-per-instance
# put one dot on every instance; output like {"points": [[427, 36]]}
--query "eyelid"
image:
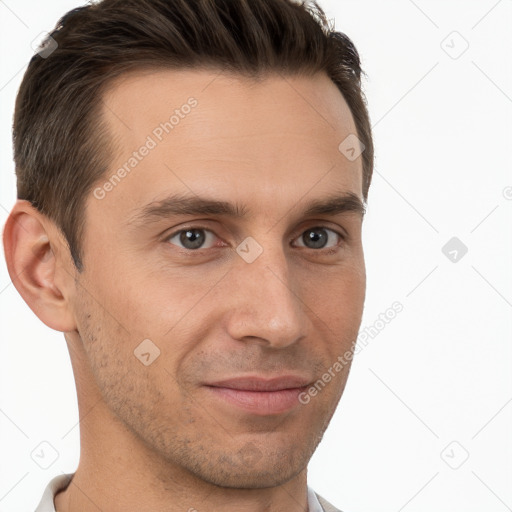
{"points": [[327, 228], [190, 228]]}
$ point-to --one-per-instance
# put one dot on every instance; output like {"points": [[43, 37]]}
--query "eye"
{"points": [[318, 238], [192, 238]]}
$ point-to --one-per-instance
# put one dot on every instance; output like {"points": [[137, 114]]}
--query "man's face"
{"points": [[286, 302]]}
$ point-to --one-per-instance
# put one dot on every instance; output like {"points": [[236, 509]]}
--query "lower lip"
{"points": [[260, 402]]}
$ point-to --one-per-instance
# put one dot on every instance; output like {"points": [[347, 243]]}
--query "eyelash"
{"points": [[327, 251]]}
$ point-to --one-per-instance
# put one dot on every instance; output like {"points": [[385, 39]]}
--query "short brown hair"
{"points": [[60, 143]]}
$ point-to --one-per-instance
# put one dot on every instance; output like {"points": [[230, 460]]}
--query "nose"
{"points": [[265, 302]]}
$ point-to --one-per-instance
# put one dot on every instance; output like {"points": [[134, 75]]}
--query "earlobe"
{"points": [[30, 241]]}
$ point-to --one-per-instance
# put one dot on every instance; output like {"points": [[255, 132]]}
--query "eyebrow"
{"points": [[176, 204]]}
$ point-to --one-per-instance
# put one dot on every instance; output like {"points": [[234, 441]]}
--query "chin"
{"points": [[251, 478], [251, 469]]}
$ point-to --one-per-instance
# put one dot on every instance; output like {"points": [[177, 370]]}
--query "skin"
{"points": [[152, 437]]}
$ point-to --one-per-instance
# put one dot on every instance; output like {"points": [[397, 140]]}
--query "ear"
{"points": [[35, 253]]}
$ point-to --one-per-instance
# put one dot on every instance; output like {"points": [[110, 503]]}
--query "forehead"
{"points": [[204, 129], [143, 99]]}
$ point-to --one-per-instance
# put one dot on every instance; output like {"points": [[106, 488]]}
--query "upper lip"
{"points": [[262, 383]]}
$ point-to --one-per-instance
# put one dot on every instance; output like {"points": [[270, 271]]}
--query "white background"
{"points": [[441, 370]]}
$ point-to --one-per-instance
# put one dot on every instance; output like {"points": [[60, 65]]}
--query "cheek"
{"points": [[338, 296], [352, 292], [133, 390], [141, 307], [337, 307], [151, 298]]}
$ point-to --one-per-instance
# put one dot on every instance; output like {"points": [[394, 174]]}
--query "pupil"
{"points": [[316, 236], [192, 238]]}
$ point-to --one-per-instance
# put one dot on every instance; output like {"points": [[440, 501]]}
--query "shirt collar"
{"points": [[313, 503]]}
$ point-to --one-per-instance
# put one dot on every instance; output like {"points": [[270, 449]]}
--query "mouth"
{"points": [[258, 395]]}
